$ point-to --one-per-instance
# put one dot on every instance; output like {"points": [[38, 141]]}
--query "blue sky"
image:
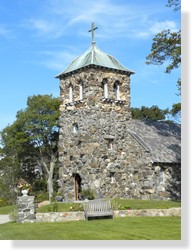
{"points": [[38, 39]]}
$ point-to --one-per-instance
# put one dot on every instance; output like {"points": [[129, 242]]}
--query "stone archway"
{"points": [[77, 186]]}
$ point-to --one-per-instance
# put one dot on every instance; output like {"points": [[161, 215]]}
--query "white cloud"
{"points": [[115, 19], [4, 32], [159, 26], [124, 18], [44, 27], [57, 60]]}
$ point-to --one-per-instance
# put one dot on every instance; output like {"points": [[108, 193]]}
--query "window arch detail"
{"points": [[105, 88], [81, 90], [116, 90], [71, 93]]}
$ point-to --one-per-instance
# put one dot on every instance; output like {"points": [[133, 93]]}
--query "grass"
{"points": [[117, 204], [7, 209], [129, 228]]}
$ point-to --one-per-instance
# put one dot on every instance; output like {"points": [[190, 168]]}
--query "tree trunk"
{"points": [[49, 176], [50, 180]]}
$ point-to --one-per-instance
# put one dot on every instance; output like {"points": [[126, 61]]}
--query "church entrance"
{"points": [[77, 186]]}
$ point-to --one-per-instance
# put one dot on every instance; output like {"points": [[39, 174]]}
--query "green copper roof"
{"points": [[94, 56]]}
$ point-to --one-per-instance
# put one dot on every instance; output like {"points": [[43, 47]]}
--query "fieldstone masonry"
{"points": [[26, 209], [74, 216], [97, 148]]}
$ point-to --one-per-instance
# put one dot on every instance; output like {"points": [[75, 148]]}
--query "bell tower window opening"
{"points": [[105, 89], [81, 91], [71, 93], [116, 90]]}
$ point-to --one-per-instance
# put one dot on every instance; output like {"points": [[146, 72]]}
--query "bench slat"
{"points": [[98, 208]]}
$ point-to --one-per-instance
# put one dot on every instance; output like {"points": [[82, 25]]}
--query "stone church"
{"points": [[101, 147]]}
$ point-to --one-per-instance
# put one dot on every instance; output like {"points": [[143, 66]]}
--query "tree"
{"points": [[153, 113], [176, 112], [166, 46], [9, 168], [174, 3], [33, 137]]}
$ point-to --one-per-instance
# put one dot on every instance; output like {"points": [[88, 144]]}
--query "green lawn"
{"points": [[117, 204], [7, 209], [128, 228]]}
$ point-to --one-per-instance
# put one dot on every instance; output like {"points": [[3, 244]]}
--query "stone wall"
{"points": [[96, 149], [73, 216], [26, 209], [148, 212], [59, 216]]}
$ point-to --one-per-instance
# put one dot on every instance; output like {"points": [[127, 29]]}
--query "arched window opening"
{"points": [[71, 93], [110, 144], [112, 177], [75, 128], [81, 90], [105, 88], [162, 177], [116, 90]]}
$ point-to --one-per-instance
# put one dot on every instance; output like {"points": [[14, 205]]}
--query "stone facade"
{"points": [[99, 146], [96, 149]]}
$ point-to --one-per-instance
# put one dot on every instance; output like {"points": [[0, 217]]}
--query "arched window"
{"points": [[81, 90], [116, 90], [112, 177], [110, 144], [105, 88], [75, 128], [71, 90]]}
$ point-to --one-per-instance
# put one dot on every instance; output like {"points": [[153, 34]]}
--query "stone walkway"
{"points": [[4, 218]]}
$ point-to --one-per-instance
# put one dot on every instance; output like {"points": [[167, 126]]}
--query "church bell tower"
{"points": [[94, 111]]}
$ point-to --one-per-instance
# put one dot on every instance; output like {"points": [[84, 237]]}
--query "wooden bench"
{"points": [[98, 208]]}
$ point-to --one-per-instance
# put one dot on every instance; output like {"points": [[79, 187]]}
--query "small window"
{"points": [[162, 177], [112, 177], [110, 144], [105, 88], [71, 90], [116, 90], [81, 90], [75, 128]]}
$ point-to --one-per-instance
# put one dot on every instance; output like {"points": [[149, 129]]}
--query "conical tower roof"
{"points": [[95, 57]]}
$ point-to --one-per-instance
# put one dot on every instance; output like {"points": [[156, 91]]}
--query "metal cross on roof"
{"points": [[92, 30]]}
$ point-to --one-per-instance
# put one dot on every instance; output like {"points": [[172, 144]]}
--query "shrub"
{"points": [[4, 203], [87, 194], [42, 197], [13, 215]]}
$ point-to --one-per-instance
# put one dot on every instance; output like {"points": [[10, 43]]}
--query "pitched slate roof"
{"points": [[161, 139], [94, 56]]}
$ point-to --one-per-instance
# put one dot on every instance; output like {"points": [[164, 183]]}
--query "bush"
{"points": [[61, 207], [87, 194], [4, 203], [42, 197], [39, 185], [13, 215]]}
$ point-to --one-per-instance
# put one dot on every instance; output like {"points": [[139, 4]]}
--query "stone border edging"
{"points": [[75, 216]]}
